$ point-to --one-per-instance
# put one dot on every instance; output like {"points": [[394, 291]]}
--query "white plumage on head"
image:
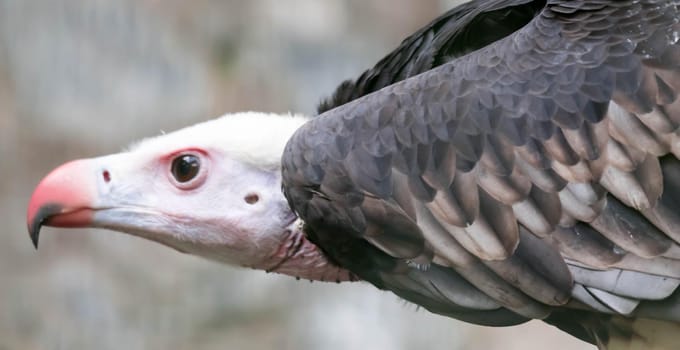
{"points": [[254, 138]]}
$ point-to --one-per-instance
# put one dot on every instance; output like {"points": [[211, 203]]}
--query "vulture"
{"points": [[511, 160]]}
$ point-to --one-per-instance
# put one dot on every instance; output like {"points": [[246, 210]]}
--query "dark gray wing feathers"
{"points": [[538, 172]]}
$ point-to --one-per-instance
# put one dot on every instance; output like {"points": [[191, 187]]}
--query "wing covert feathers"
{"points": [[540, 172]]}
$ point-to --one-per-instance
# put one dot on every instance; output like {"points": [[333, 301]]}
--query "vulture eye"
{"points": [[185, 168]]}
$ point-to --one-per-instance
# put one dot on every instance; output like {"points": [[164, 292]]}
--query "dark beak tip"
{"points": [[40, 218], [34, 233]]}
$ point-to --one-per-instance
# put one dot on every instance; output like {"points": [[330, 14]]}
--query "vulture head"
{"points": [[212, 190]]}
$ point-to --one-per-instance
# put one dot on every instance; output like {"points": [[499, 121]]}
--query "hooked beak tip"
{"points": [[35, 235], [62, 199], [40, 217]]}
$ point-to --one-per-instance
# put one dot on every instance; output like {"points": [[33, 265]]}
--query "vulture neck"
{"points": [[298, 257]]}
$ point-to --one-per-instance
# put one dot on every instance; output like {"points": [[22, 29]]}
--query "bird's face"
{"points": [[181, 190]]}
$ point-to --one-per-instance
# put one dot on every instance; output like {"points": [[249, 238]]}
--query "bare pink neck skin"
{"points": [[300, 258]]}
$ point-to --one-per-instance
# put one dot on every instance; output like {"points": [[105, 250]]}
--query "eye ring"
{"points": [[188, 170]]}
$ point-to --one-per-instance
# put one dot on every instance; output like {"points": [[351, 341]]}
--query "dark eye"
{"points": [[185, 167]]}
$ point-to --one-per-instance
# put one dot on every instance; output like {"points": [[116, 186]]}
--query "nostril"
{"points": [[107, 176], [251, 198]]}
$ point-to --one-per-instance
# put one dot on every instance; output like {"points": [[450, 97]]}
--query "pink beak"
{"points": [[64, 198]]}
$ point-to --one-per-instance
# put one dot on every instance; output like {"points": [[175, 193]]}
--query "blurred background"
{"points": [[81, 78]]}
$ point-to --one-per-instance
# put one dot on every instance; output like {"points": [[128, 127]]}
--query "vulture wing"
{"points": [[535, 177], [459, 31]]}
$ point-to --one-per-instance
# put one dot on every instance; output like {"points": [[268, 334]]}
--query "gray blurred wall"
{"points": [[80, 78]]}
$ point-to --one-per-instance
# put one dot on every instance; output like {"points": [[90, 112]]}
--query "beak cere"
{"points": [[64, 198]]}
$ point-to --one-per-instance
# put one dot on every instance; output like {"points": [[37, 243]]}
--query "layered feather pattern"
{"points": [[534, 175]]}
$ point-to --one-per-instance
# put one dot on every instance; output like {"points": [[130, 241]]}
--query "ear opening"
{"points": [[251, 198]]}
